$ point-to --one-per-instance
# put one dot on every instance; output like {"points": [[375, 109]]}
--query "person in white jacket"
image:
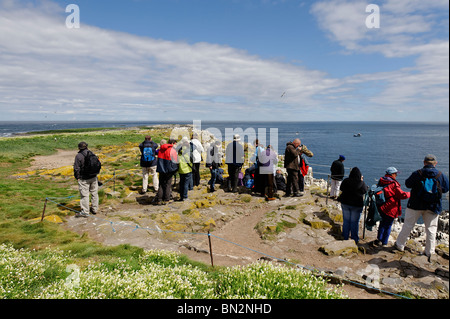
{"points": [[268, 159], [197, 158]]}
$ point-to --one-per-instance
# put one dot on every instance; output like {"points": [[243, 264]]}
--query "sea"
{"points": [[370, 146]]}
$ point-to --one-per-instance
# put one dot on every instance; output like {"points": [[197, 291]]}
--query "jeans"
{"points": [[214, 174], [351, 215], [384, 229], [185, 180]]}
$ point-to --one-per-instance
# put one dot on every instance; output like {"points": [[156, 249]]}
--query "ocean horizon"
{"points": [[381, 144]]}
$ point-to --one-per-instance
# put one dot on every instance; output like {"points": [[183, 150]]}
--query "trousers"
{"points": [[165, 186], [431, 224], [88, 187], [149, 171], [292, 181]]}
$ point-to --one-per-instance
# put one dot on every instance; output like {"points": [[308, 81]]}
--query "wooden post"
{"points": [[114, 186], [43, 211], [210, 249]]}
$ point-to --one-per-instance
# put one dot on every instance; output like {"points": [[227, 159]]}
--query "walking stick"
{"points": [[365, 213], [328, 183], [210, 249]]}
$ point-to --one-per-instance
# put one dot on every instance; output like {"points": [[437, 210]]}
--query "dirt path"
{"points": [[247, 247], [61, 158], [300, 244], [237, 242]]}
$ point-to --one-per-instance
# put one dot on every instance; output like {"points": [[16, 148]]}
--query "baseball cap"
{"points": [[391, 170]]}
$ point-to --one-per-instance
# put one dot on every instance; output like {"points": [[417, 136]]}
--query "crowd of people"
{"points": [[265, 177], [424, 200]]}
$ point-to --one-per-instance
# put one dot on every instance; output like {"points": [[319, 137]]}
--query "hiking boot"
{"points": [[91, 210], [77, 215], [398, 248], [375, 243]]}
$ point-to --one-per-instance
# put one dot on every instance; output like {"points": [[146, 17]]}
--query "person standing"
{"points": [[86, 168], [196, 159], [303, 169], [258, 180], [337, 175], [392, 208], [292, 155], [167, 167], [213, 162], [352, 202], [267, 162], [427, 186], [234, 158], [148, 163], [184, 167]]}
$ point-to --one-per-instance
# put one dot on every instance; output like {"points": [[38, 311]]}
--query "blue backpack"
{"points": [[378, 192], [250, 183], [148, 155], [431, 191]]}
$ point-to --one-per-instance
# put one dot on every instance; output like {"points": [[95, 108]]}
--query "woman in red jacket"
{"points": [[392, 208]]}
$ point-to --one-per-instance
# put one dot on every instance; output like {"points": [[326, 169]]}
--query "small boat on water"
{"points": [[357, 135]]}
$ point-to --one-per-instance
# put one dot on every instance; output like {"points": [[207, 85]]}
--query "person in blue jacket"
{"points": [[421, 203], [148, 162]]}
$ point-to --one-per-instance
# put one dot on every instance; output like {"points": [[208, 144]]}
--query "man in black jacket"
{"points": [[148, 163], [422, 203], [234, 158], [87, 181], [337, 175]]}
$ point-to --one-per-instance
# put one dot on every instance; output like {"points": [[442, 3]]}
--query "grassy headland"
{"points": [[35, 255]]}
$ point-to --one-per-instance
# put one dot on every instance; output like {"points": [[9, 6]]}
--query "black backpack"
{"points": [[91, 165]]}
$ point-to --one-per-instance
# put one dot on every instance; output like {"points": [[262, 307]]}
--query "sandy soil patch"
{"points": [[61, 158]]}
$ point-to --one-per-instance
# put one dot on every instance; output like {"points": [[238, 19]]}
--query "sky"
{"points": [[232, 60]]}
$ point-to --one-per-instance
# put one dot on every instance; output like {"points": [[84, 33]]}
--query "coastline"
{"points": [[288, 234]]}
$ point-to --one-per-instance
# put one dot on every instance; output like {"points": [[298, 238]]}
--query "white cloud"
{"points": [[42, 61], [96, 74], [407, 29]]}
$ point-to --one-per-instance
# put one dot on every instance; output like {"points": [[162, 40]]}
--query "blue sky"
{"points": [[224, 60]]}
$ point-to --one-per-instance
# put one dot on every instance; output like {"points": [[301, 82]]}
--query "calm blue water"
{"points": [[381, 145]]}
